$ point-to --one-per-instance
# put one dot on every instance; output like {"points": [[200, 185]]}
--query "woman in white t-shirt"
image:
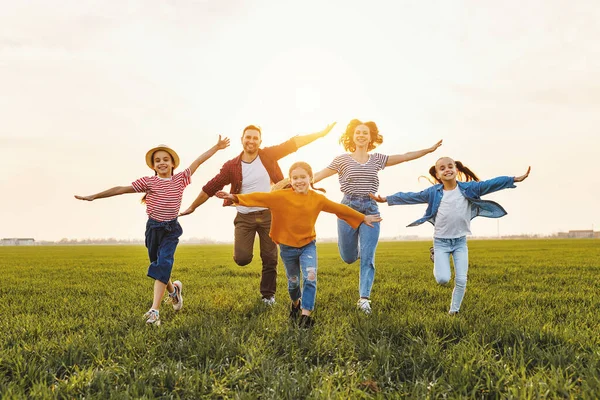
{"points": [[451, 204], [358, 176]]}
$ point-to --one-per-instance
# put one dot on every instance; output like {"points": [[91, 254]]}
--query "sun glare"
{"points": [[308, 99]]}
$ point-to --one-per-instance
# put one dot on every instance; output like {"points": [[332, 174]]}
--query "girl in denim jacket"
{"points": [[451, 205], [163, 193]]}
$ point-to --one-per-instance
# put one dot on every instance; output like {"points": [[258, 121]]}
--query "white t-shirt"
{"points": [[453, 219], [255, 178]]}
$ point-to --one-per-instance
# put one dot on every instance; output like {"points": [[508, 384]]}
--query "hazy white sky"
{"points": [[89, 86]]}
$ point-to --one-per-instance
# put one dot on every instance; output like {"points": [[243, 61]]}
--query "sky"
{"points": [[89, 86]]}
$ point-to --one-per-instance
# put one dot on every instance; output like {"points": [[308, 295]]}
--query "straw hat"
{"points": [[163, 147]]}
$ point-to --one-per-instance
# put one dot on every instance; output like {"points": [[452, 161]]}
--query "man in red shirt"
{"points": [[254, 170]]}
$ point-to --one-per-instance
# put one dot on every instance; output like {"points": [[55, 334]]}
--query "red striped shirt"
{"points": [[163, 196]]}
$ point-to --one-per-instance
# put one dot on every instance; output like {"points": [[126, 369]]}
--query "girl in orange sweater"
{"points": [[294, 213]]}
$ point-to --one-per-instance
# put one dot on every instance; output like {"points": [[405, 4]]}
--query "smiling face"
{"points": [[445, 169], [362, 136], [251, 140], [163, 163], [300, 180]]}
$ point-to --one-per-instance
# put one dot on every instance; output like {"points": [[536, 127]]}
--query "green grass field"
{"points": [[71, 326]]}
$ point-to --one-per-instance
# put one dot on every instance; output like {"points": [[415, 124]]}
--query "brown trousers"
{"points": [[246, 228]]}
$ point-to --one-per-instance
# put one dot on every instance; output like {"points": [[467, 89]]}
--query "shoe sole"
{"points": [[179, 305]]}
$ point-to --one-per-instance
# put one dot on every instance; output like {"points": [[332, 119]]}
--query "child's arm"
{"points": [[402, 198], [349, 215], [499, 183], [221, 144], [117, 190], [413, 155], [256, 199], [524, 176]]}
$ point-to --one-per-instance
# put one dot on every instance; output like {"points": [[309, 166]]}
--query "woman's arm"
{"points": [[322, 174], [413, 155], [117, 190]]}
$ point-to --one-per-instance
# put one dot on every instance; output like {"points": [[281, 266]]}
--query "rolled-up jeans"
{"points": [[457, 248], [295, 260], [162, 238], [365, 237]]}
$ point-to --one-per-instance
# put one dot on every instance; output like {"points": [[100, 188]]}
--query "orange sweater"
{"points": [[293, 215]]}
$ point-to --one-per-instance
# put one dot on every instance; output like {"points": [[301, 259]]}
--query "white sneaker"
{"points": [[177, 296], [364, 305], [152, 317], [270, 301]]}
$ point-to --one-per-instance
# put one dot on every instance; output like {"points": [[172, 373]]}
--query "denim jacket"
{"points": [[471, 190]]}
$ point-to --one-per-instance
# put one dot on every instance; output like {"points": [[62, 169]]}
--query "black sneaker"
{"points": [[295, 311], [431, 254], [306, 322]]}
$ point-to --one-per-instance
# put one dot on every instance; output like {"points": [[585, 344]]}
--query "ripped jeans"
{"points": [[301, 258]]}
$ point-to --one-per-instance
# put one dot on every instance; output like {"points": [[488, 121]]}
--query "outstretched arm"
{"points": [[322, 174], [221, 144], [403, 198], [117, 190], [202, 197], [306, 139], [413, 155], [499, 183], [523, 177], [255, 199]]}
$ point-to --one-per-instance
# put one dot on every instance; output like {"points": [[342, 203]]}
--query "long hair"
{"points": [[143, 201], [464, 173], [305, 166], [347, 139]]}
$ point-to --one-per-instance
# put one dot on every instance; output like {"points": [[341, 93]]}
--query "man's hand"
{"points": [[328, 129]]}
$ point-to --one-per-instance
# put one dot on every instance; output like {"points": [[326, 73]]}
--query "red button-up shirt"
{"points": [[231, 171]]}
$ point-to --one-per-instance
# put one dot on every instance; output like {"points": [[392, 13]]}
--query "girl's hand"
{"points": [[369, 219], [224, 195], [522, 177], [378, 198], [222, 143], [328, 129], [86, 198], [435, 146]]}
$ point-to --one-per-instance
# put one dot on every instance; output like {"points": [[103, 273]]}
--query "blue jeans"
{"points": [[301, 258], [457, 248], [161, 241], [360, 242]]}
